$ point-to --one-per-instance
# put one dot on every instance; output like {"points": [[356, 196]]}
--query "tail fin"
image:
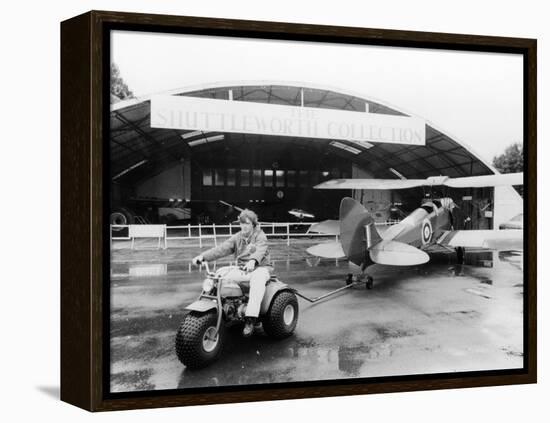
{"points": [[357, 231], [373, 237]]}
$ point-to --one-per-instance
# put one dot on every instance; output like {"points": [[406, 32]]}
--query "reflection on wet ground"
{"points": [[438, 317]]}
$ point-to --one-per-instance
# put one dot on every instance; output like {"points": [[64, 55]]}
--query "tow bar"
{"points": [[349, 283]]}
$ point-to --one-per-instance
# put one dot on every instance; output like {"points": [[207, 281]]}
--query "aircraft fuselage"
{"points": [[423, 226]]}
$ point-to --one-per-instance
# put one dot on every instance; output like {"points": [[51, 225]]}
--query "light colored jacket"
{"points": [[243, 248]]}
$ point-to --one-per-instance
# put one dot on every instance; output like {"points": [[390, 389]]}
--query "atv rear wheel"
{"points": [[197, 343], [282, 317], [369, 284]]}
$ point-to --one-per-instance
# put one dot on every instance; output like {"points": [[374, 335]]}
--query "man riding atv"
{"points": [[249, 247]]}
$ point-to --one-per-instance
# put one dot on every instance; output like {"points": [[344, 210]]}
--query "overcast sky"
{"points": [[475, 98]]}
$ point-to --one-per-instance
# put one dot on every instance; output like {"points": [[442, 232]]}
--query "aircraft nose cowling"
{"points": [[353, 219]]}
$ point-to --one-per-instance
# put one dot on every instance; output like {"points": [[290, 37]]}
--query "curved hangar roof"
{"points": [[139, 151]]}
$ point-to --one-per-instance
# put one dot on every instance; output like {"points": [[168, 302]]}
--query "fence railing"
{"points": [[281, 230], [214, 232]]}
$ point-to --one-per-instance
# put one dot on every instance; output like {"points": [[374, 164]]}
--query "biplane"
{"points": [[408, 242]]}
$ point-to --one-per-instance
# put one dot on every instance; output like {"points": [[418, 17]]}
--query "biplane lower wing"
{"points": [[506, 239]]}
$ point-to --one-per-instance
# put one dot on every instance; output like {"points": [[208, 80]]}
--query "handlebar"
{"points": [[205, 264]]}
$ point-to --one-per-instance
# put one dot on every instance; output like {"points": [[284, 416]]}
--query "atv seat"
{"points": [[245, 285]]}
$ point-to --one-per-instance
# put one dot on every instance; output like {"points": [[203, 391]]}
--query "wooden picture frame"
{"points": [[84, 199]]}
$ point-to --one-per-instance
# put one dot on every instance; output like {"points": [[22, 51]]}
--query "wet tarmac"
{"points": [[434, 318]]}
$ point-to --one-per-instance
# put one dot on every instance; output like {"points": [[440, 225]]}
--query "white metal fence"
{"points": [[283, 230], [214, 232]]}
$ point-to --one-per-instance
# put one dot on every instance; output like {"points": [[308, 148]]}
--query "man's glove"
{"points": [[197, 261], [250, 265]]}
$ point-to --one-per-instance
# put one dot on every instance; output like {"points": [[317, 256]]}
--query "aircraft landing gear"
{"points": [[369, 283], [460, 255]]}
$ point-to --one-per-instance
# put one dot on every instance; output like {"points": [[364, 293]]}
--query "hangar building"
{"points": [[175, 174]]}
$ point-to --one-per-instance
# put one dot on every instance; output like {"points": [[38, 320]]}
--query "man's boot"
{"points": [[248, 329]]}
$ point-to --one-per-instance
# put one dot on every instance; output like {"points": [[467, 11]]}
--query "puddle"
{"points": [[135, 380], [478, 293]]}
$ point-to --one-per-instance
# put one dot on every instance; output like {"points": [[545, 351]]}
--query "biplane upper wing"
{"points": [[506, 239], [370, 184], [486, 180], [463, 182]]}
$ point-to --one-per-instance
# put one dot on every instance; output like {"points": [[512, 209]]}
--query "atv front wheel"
{"points": [[197, 343], [282, 317]]}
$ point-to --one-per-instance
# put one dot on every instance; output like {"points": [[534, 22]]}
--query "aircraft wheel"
{"points": [[460, 255], [369, 284], [121, 216]]}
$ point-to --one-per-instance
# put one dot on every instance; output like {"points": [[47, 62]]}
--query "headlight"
{"points": [[207, 285]]}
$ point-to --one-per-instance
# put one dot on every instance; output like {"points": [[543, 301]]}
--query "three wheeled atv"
{"points": [[222, 304]]}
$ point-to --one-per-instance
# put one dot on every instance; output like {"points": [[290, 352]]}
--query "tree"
{"points": [[512, 159], [119, 89]]}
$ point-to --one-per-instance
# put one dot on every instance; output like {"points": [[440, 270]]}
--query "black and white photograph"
{"points": [[275, 211], [295, 212]]}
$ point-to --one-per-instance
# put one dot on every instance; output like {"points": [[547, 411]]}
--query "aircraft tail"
{"points": [[357, 231], [331, 250], [361, 242], [358, 235]]}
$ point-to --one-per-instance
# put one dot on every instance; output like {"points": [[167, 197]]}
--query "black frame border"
{"points": [[92, 42]]}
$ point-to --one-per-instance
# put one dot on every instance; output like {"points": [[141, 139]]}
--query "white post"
{"points": [[200, 236], [165, 237], [214, 230], [189, 230], [287, 234]]}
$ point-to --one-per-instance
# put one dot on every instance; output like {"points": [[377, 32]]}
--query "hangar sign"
{"points": [[177, 112]]}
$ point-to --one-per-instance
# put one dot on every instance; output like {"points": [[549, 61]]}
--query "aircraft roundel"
{"points": [[426, 232]]}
